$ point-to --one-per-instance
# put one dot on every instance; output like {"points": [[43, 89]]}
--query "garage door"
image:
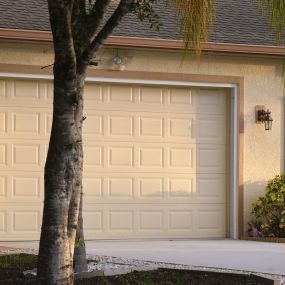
{"points": [[155, 160]]}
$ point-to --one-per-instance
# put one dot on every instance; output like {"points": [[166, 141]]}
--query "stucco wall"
{"points": [[263, 150]]}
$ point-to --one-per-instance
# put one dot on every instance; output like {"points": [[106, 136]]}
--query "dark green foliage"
{"points": [[12, 267], [145, 11], [79, 242], [269, 211], [18, 261]]}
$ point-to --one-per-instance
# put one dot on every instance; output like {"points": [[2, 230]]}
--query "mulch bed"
{"points": [[12, 266], [264, 239]]}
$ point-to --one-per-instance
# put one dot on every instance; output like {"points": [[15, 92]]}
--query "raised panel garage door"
{"points": [[155, 160]]}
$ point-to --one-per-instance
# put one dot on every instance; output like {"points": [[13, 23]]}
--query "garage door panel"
{"points": [[185, 158], [146, 127], [151, 95], [19, 187], [3, 122], [26, 155], [3, 222], [155, 221], [151, 187], [93, 222], [151, 126], [180, 187], [121, 125], [24, 92], [181, 157], [211, 219], [210, 101], [19, 222], [119, 187], [120, 156], [3, 88], [121, 93], [93, 93], [28, 188], [147, 188], [93, 186], [210, 188], [211, 159], [4, 155], [93, 126], [210, 129], [3, 187], [142, 98], [180, 97], [93, 156], [25, 123]]}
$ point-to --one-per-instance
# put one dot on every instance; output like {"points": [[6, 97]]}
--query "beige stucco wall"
{"points": [[263, 151]]}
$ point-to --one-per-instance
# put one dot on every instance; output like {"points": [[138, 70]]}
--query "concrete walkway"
{"points": [[229, 254]]}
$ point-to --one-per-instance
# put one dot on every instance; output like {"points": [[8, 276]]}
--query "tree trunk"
{"points": [[63, 180], [79, 259]]}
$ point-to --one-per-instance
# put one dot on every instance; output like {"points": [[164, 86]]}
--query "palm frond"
{"points": [[275, 9], [196, 18]]}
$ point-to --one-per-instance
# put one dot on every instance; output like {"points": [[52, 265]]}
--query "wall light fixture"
{"points": [[263, 116]]}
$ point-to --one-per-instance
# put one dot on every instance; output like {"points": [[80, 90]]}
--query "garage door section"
{"points": [[155, 160]]}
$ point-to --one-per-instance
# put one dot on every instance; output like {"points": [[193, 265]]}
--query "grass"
{"points": [[12, 266], [18, 261]]}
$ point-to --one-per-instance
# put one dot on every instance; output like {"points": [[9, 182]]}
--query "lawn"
{"points": [[12, 266]]}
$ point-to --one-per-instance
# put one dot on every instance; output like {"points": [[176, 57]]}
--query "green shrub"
{"points": [[269, 211]]}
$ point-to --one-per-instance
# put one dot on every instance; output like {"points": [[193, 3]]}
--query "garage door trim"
{"points": [[235, 223]]}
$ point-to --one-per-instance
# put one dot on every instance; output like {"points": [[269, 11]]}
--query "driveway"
{"points": [[229, 254]]}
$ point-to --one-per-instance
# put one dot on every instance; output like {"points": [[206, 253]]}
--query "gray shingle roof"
{"points": [[237, 21]]}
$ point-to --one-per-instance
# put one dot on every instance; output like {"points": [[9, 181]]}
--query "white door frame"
{"points": [[233, 226]]}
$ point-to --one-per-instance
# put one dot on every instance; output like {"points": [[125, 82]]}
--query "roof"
{"points": [[237, 22]]}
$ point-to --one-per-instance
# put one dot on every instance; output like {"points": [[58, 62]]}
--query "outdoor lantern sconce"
{"points": [[121, 61], [263, 116]]}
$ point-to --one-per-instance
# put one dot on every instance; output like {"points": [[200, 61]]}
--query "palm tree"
{"points": [[79, 30], [275, 10]]}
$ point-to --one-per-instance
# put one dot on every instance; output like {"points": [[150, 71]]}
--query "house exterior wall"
{"points": [[263, 85]]}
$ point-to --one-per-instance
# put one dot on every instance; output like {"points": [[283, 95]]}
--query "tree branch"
{"points": [[79, 19], [60, 20], [60, 12], [123, 8], [84, 24], [97, 13], [78, 13]]}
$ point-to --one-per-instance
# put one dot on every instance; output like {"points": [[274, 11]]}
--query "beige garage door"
{"points": [[155, 160]]}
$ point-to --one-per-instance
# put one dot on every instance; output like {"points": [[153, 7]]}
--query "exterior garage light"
{"points": [[118, 60], [121, 61], [263, 116]]}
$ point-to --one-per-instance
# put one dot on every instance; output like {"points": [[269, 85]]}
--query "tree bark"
{"points": [[79, 258], [63, 181]]}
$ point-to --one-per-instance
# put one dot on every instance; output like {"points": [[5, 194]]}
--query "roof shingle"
{"points": [[237, 22]]}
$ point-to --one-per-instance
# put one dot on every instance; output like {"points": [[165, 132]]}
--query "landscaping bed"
{"points": [[12, 267], [264, 239]]}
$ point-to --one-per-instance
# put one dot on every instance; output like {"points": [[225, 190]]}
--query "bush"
{"points": [[269, 211]]}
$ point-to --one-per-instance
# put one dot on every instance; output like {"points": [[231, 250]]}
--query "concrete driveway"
{"points": [[229, 254]]}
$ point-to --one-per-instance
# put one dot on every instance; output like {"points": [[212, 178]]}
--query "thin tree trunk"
{"points": [[79, 259], [63, 181]]}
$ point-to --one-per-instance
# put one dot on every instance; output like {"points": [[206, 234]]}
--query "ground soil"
{"points": [[11, 268]]}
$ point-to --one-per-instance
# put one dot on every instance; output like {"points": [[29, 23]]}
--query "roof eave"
{"points": [[119, 41]]}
